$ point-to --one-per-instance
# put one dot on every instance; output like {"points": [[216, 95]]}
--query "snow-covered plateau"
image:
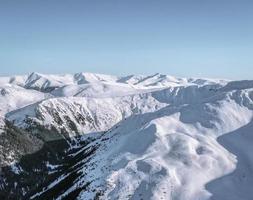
{"points": [[92, 136]]}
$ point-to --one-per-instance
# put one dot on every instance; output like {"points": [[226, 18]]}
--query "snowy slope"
{"points": [[168, 154], [13, 97], [153, 137], [76, 115]]}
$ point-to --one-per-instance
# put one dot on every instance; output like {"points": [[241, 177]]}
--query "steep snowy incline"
{"points": [[90, 136], [13, 97], [77, 115], [171, 153], [25, 95], [99, 110]]}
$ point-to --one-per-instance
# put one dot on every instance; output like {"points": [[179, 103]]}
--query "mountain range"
{"points": [[95, 136]]}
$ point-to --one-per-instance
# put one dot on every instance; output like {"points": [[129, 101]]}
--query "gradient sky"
{"points": [[210, 38]]}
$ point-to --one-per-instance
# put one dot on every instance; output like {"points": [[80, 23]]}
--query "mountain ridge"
{"points": [[132, 137]]}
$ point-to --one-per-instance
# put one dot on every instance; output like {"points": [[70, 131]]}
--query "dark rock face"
{"points": [[39, 164]]}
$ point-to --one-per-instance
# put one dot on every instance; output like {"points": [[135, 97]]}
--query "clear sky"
{"points": [[210, 38]]}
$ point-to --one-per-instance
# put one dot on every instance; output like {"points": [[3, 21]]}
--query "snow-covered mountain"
{"points": [[94, 136]]}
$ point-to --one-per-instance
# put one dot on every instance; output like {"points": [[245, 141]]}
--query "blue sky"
{"points": [[211, 38]]}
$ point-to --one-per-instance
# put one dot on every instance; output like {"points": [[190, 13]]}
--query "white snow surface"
{"points": [[166, 137]]}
